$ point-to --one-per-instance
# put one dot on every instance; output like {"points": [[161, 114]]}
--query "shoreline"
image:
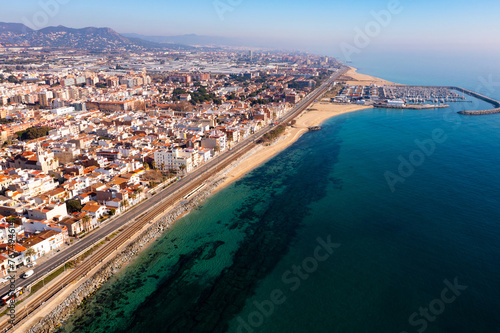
{"points": [[315, 115], [56, 311], [352, 77]]}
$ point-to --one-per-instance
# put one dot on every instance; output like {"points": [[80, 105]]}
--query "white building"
{"points": [[396, 102], [51, 212], [174, 159]]}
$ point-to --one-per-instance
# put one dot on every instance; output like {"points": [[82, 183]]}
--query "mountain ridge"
{"points": [[89, 38]]}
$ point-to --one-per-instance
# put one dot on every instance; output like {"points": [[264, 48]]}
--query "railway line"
{"points": [[164, 199]]}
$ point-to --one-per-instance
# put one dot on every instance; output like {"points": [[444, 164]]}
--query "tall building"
{"points": [[45, 97]]}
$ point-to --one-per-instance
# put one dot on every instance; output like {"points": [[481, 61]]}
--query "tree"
{"points": [[162, 166], [217, 148], [86, 222], [13, 79], [153, 164], [182, 167], [33, 133], [74, 206], [30, 252], [124, 203], [112, 211]]}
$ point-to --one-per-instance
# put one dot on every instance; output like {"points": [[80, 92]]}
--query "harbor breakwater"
{"points": [[479, 112], [487, 99]]}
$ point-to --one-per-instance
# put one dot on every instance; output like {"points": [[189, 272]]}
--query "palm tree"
{"points": [[162, 166], [86, 222]]}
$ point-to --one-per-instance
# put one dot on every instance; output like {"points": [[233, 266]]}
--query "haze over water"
{"points": [[212, 269]]}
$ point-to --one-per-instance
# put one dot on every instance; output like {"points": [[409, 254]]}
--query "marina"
{"points": [[413, 97]]}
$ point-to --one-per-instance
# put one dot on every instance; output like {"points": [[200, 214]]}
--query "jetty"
{"points": [[487, 99], [314, 128]]}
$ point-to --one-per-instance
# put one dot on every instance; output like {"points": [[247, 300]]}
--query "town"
{"points": [[86, 136]]}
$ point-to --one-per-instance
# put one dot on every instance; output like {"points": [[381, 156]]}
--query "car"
{"points": [[31, 264], [28, 274]]}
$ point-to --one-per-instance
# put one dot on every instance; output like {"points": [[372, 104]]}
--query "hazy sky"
{"points": [[330, 27]]}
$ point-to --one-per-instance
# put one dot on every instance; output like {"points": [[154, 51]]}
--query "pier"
{"points": [[411, 106]]}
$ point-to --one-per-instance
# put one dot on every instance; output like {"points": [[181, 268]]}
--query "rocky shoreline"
{"points": [[61, 313]]}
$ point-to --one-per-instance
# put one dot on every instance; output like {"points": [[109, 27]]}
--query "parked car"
{"points": [[31, 264]]}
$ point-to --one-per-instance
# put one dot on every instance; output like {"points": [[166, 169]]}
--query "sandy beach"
{"points": [[316, 115], [352, 77]]}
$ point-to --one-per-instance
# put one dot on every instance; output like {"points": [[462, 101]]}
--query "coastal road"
{"points": [[141, 214], [105, 230]]}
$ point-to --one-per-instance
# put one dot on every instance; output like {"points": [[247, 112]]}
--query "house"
{"points": [[95, 211], [75, 224], [32, 227], [9, 256], [51, 212], [43, 243]]}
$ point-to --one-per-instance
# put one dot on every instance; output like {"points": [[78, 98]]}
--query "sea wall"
{"points": [[54, 319]]}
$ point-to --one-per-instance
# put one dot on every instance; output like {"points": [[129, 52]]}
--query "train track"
{"points": [[82, 269]]}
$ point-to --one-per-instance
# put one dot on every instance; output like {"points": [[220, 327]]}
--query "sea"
{"points": [[385, 221]]}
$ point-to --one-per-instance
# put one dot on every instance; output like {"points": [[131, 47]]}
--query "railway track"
{"points": [[81, 270]]}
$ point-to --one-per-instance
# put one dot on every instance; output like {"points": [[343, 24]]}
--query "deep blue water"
{"points": [[251, 258]]}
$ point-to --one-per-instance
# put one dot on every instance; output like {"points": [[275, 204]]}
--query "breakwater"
{"points": [[492, 101], [479, 112]]}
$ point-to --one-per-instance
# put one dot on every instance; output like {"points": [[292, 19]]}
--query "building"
{"points": [[50, 212], [292, 98], [95, 211], [41, 160], [45, 98], [396, 103], [174, 159], [43, 243]]}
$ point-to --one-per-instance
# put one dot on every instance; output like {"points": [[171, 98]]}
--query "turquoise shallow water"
{"points": [[253, 258]]}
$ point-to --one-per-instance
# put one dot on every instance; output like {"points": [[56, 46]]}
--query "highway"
{"points": [[143, 213]]}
